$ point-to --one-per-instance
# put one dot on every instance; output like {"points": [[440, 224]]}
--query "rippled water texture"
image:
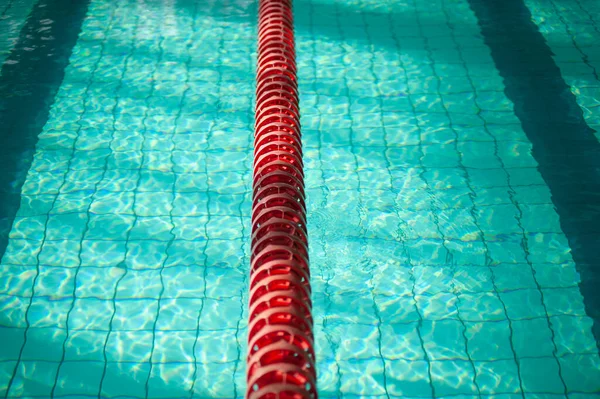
{"points": [[439, 265], [125, 271]]}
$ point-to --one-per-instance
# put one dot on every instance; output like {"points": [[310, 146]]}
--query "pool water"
{"points": [[452, 197], [12, 16]]}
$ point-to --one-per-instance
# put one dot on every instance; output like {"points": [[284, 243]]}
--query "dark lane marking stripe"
{"points": [[564, 145], [29, 80], [7, 7]]}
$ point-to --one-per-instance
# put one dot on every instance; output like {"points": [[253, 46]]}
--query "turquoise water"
{"points": [[571, 29], [12, 17], [440, 267], [125, 268]]}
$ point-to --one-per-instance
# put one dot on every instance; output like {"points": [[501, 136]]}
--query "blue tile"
{"points": [[489, 340], [498, 376], [513, 276], [45, 312], [174, 347], [443, 340], [79, 378], [125, 379], [541, 375], [140, 284], [581, 373], [486, 306], [55, 282], [16, 338], [361, 376], [407, 378], [129, 346], [401, 341], [171, 380], [189, 282], [33, 378], [44, 344], [453, 377], [7, 368], [17, 280], [527, 331], [85, 345], [573, 335], [135, 314], [90, 314], [98, 282], [523, 304], [101, 253], [215, 380]]}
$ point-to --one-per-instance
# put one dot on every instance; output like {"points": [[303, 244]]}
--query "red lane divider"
{"points": [[281, 358]]}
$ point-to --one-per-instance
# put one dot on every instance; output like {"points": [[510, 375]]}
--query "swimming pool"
{"points": [[452, 238]]}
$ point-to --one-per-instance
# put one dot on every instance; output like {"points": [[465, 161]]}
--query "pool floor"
{"points": [[441, 264]]}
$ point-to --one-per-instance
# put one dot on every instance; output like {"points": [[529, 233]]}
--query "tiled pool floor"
{"points": [[125, 269], [439, 265]]}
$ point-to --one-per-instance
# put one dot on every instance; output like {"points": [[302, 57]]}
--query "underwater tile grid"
{"points": [[125, 269], [432, 184], [439, 267]]}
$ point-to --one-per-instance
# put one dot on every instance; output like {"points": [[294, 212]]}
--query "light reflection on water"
{"points": [[433, 235], [403, 283], [133, 223]]}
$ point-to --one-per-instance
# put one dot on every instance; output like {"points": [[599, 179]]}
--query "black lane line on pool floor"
{"points": [[564, 145], [29, 81]]}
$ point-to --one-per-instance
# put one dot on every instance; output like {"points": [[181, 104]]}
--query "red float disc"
{"points": [[281, 359]]}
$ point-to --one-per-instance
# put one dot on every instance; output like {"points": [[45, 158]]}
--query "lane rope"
{"points": [[281, 358]]}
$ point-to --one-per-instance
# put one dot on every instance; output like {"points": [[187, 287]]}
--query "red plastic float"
{"points": [[281, 358]]}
